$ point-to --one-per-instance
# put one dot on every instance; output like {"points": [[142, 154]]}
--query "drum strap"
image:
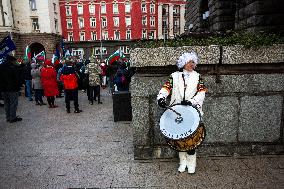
{"points": [[184, 88]]}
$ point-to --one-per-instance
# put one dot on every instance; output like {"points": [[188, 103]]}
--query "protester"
{"points": [[36, 83], [69, 79], [121, 78], [94, 70], [28, 79], [10, 83], [49, 83]]}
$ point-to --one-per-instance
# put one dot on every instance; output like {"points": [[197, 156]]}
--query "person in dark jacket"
{"points": [[10, 83], [69, 79], [28, 79]]}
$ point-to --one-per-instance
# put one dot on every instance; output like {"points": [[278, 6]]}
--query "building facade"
{"points": [[113, 21], [33, 23], [242, 15]]}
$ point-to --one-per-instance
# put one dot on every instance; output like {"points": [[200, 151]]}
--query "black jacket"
{"points": [[27, 71], [10, 77]]}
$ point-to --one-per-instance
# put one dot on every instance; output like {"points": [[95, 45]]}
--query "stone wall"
{"points": [[49, 42], [248, 15], [244, 108]]}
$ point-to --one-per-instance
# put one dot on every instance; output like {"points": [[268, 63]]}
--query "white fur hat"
{"points": [[185, 57]]}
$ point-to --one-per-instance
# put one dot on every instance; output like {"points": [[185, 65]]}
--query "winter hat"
{"points": [[185, 58], [48, 62]]}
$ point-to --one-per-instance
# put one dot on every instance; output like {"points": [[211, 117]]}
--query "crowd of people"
{"points": [[64, 78]]}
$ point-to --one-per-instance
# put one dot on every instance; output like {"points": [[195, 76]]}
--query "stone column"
{"points": [[182, 18], [160, 22], [171, 21]]}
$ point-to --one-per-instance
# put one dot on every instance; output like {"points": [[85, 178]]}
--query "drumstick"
{"points": [[168, 107]]}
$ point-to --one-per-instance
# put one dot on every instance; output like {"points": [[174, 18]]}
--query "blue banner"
{"points": [[6, 45]]}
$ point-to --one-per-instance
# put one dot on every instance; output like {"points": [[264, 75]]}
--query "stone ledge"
{"points": [[238, 54]]}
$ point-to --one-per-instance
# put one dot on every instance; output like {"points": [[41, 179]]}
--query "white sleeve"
{"points": [[198, 99]]}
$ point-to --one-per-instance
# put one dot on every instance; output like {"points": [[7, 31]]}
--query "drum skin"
{"points": [[189, 143], [186, 135]]}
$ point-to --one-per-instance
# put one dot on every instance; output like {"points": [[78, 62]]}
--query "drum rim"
{"points": [[200, 122]]}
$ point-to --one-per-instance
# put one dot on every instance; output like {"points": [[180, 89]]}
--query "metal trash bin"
{"points": [[122, 110]]}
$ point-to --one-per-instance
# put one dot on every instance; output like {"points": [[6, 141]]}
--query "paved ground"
{"points": [[55, 150]]}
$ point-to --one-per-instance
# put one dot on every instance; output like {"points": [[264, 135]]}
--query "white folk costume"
{"points": [[185, 86]]}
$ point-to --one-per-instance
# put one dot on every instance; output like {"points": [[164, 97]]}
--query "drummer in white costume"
{"points": [[185, 87]]}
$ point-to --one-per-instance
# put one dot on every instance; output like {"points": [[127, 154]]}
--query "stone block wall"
{"points": [[244, 15], [243, 110], [49, 42]]}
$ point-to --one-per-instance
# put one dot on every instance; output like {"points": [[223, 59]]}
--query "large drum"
{"points": [[182, 127]]}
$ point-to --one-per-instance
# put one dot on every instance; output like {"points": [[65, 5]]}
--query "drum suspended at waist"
{"points": [[182, 127]]}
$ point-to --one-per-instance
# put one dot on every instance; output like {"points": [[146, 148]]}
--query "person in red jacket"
{"points": [[49, 83], [69, 79]]}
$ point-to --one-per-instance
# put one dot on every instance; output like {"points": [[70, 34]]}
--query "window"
{"points": [[128, 34], [116, 21], [93, 22], [81, 22], [144, 20], [115, 8], [70, 36], [69, 23], [152, 8], [104, 50], [152, 35], [124, 49], [92, 9], [54, 7], [128, 21], [143, 7], [103, 7], [105, 35], [78, 52], [56, 25], [116, 35], [144, 34], [176, 10], [176, 23], [35, 25], [127, 7], [94, 36], [82, 36], [152, 21], [104, 22], [68, 11], [80, 9], [165, 10], [98, 50], [33, 5]]}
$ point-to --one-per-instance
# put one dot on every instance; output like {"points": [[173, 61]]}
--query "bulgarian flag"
{"points": [[115, 56], [28, 54], [40, 56]]}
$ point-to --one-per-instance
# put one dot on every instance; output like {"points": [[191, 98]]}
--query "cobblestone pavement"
{"points": [[55, 150]]}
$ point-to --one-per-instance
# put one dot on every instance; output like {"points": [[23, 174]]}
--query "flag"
{"points": [[56, 55], [28, 53], [40, 56], [62, 47], [116, 56], [6, 45]]}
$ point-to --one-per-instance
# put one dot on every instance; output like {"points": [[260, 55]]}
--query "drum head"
{"points": [[172, 129]]}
